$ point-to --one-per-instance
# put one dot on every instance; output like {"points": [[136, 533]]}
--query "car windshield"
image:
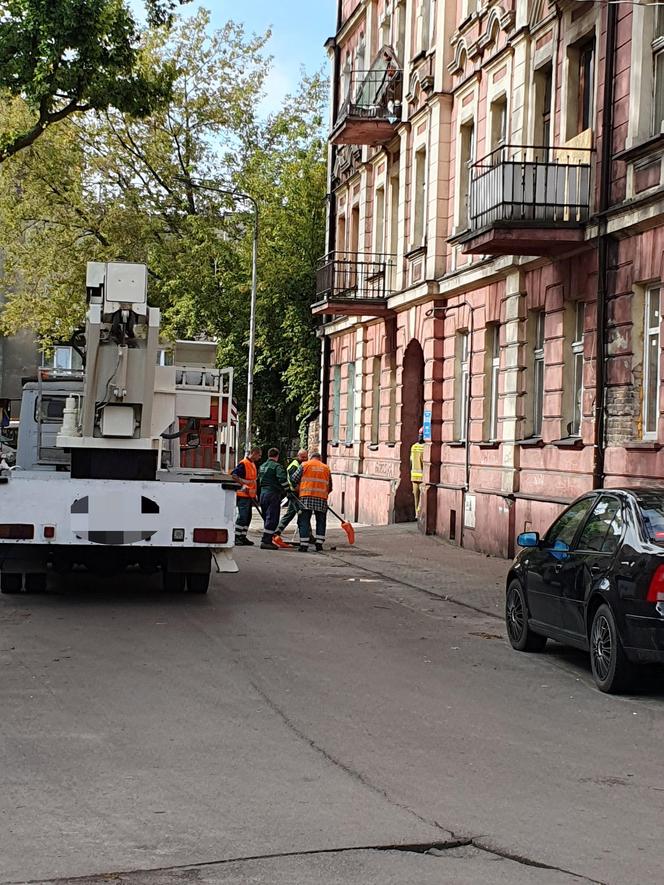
{"points": [[652, 510]]}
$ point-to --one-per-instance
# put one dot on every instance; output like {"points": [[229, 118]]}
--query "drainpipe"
{"points": [[604, 247], [469, 400]]}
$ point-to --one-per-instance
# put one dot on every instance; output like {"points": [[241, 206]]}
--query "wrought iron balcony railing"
{"points": [[373, 95], [354, 277], [532, 186]]}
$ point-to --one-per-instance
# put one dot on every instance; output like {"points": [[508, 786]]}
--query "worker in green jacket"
{"points": [[301, 457], [274, 485], [417, 469]]}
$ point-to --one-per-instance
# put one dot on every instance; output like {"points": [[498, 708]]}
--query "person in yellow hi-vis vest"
{"points": [[417, 469]]}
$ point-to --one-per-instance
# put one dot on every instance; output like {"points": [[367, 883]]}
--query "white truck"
{"points": [[98, 481]]}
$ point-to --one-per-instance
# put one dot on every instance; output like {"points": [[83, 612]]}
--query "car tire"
{"points": [[198, 582], [173, 582], [612, 671], [520, 635], [11, 582]]}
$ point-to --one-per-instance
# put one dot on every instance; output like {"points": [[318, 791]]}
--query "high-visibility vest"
{"points": [[251, 478], [290, 471], [315, 482], [416, 458]]}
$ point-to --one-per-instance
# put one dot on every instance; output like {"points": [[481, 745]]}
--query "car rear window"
{"points": [[652, 510]]}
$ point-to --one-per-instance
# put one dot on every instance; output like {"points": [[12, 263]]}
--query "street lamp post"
{"points": [[239, 195]]}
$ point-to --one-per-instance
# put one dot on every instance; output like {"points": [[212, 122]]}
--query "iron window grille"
{"points": [[651, 373]]}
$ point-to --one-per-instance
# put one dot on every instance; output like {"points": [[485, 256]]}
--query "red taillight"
{"points": [[16, 532], [49, 532], [656, 588], [210, 536]]}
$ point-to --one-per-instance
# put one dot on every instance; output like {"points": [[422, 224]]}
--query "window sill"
{"points": [[373, 447], [415, 251], [489, 444], [533, 442], [457, 444], [569, 442], [642, 445], [649, 146]]}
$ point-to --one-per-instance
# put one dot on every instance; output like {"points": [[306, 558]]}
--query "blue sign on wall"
{"points": [[426, 425]]}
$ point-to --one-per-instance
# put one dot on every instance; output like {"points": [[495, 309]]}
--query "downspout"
{"points": [[604, 247], [331, 244]]}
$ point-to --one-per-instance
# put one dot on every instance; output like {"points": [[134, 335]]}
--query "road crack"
{"points": [[347, 769]]}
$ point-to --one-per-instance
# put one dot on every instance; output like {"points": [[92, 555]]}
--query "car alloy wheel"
{"points": [[612, 670], [520, 635], [601, 646]]}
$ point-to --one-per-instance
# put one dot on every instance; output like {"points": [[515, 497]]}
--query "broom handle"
{"points": [[335, 514]]}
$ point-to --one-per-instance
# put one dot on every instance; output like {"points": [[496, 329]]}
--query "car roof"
{"points": [[628, 491]]}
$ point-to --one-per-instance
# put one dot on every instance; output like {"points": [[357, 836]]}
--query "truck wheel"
{"points": [[173, 582], [35, 583], [11, 583], [198, 583]]}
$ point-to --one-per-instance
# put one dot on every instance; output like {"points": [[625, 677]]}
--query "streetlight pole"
{"points": [[239, 195]]}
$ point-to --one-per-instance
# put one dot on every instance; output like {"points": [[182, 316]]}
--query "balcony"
{"points": [[372, 106], [528, 201], [353, 284]]}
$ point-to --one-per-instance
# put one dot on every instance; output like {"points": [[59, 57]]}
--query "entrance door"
{"points": [[412, 408]]}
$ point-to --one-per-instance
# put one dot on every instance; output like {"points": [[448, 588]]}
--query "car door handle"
{"points": [[595, 569]]}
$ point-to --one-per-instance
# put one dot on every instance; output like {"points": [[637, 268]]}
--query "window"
{"points": [[577, 362], [581, 87], [419, 197], [462, 384], [375, 401], [651, 354], [350, 406], [379, 221], [392, 428], [543, 94], [62, 357], [498, 123], [467, 155], [658, 53], [652, 511], [602, 532], [562, 532], [336, 406], [493, 354], [538, 373]]}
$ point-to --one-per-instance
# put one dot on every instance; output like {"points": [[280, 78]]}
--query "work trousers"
{"points": [[271, 507], [243, 519], [304, 525], [288, 517]]}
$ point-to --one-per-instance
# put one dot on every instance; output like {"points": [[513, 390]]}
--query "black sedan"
{"points": [[595, 581]]}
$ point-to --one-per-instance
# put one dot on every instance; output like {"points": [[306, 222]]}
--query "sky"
{"points": [[299, 30]]}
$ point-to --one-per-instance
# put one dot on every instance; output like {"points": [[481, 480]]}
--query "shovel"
{"points": [[346, 526], [276, 540]]}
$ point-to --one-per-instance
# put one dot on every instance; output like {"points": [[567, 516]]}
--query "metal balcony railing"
{"points": [[354, 276], [373, 95], [530, 185]]}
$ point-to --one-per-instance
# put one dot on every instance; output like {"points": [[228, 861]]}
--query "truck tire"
{"points": [[11, 583], [173, 582], [198, 583], [35, 582]]}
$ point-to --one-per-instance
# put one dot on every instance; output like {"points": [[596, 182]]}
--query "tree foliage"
{"points": [[109, 186], [68, 56]]}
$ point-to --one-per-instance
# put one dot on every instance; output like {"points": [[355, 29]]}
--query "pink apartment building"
{"points": [[496, 198]]}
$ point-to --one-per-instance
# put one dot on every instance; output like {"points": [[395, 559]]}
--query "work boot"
{"points": [[303, 548], [266, 546], [243, 542], [319, 548]]}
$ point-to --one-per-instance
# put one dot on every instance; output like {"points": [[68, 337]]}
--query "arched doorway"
{"points": [[412, 408]]}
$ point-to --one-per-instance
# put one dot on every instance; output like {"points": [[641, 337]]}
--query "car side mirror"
{"points": [[528, 539]]}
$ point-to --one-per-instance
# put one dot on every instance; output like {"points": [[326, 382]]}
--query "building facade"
{"points": [[496, 198]]}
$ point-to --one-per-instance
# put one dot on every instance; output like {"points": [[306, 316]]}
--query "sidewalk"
{"points": [[402, 553]]}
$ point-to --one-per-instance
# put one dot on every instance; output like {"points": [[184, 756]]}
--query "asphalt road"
{"points": [[309, 723]]}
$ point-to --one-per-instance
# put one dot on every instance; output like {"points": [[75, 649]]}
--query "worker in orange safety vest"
{"points": [[246, 473], [315, 481]]}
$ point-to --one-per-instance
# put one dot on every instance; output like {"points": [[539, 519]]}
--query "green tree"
{"points": [[108, 186], [66, 57]]}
